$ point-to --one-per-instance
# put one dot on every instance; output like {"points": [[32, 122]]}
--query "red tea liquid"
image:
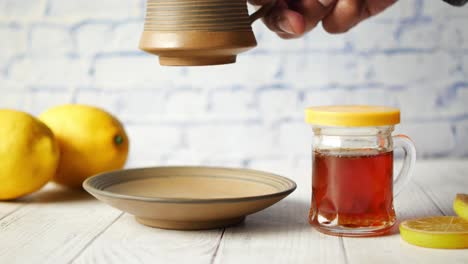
{"points": [[352, 190]]}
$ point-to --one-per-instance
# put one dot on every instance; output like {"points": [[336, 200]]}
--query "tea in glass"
{"points": [[353, 190], [352, 169]]}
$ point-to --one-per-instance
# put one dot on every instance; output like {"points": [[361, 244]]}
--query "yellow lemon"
{"points": [[460, 205], [91, 141], [436, 232], [29, 154]]}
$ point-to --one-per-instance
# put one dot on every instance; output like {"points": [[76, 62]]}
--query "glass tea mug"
{"points": [[352, 175]]}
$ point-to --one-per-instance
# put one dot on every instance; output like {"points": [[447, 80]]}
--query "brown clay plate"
{"points": [[189, 198]]}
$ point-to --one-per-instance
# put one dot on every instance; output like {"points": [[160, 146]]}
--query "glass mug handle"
{"points": [[262, 11], [404, 142]]}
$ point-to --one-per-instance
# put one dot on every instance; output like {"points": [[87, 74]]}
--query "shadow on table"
{"points": [[291, 215], [287, 216], [56, 194]]}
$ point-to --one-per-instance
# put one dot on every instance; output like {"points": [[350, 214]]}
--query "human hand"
{"points": [[293, 18]]}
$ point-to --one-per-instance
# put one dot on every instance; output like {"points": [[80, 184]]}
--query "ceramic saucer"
{"points": [[189, 198]]}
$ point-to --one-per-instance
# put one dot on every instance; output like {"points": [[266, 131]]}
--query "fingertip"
{"points": [[285, 22], [334, 28], [288, 36], [345, 15], [297, 22]]}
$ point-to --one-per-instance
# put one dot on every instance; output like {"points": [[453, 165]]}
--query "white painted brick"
{"points": [[420, 35], [123, 37], [269, 41], [111, 9], [186, 105], [22, 9], [403, 68], [319, 39], [232, 104], [13, 42], [303, 172], [276, 104], [13, 100], [372, 96], [226, 162], [13, 97], [399, 11], [461, 130], [115, 72], [250, 69], [326, 97], [38, 100], [50, 71], [411, 105], [111, 101], [183, 157], [130, 105], [295, 138], [231, 140], [316, 69], [135, 161], [50, 40], [142, 106], [148, 142], [90, 34], [33, 100], [441, 101], [126, 36], [371, 36], [278, 166], [464, 64], [453, 102], [441, 10], [455, 34], [431, 139]]}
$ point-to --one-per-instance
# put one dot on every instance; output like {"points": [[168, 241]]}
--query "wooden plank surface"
{"points": [[61, 226], [391, 249], [266, 235], [126, 241], [52, 226], [280, 234], [432, 182]]}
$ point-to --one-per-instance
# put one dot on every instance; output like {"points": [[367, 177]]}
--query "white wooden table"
{"points": [[60, 226]]}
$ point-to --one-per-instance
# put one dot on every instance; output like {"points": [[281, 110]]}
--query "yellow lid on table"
{"points": [[352, 115]]}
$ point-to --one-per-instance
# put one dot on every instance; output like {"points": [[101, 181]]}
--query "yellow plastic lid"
{"points": [[352, 115]]}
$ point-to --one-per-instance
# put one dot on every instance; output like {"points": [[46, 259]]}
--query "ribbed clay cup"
{"points": [[197, 32]]}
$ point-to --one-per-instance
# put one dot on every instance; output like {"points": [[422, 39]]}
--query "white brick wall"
{"points": [[462, 138], [411, 68], [14, 41], [232, 103], [22, 9], [238, 140], [49, 71], [50, 40], [435, 138], [102, 9], [127, 71], [414, 56]]}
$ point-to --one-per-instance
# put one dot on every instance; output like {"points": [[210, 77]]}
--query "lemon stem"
{"points": [[118, 139]]}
